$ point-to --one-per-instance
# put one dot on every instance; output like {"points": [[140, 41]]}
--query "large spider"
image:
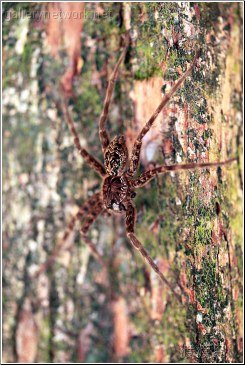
{"points": [[118, 173]]}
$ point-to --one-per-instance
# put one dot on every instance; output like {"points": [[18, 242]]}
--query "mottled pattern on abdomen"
{"points": [[116, 156]]}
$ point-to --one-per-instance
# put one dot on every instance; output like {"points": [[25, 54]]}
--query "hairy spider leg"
{"points": [[94, 210], [103, 134], [147, 176], [130, 223], [91, 208], [91, 161], [134, 161]]}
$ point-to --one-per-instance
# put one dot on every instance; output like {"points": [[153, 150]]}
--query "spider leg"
{"points": [[90, 208], [91, 161], [134, 161], [89, 220], [147, 176], [130, 223], [104, 137]]}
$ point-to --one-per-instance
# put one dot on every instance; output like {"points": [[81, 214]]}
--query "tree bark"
{"points": [[190, 222]]}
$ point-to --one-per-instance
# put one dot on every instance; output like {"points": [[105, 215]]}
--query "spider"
{"points": [[118, 172]]}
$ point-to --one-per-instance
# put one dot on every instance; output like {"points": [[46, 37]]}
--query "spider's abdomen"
{"points": [[115, 191], [116, 156]]}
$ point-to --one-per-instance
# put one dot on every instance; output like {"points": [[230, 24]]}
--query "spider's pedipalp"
{"points": [[92, 214]]}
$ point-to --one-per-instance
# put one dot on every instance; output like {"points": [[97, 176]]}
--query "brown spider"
{"points": [[118, 173]]}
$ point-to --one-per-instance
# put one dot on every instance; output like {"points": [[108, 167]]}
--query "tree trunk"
{"points": [[189, 222]]}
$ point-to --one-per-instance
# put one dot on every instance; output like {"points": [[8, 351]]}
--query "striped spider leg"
{"points": [[88, 212], [148, 175], [103, 134], [134, 161]]}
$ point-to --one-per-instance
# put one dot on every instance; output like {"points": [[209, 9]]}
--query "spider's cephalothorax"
{"points": [[116, 156], [115, 191]]}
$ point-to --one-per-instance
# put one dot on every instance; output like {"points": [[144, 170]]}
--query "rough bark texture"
{"points": [[190, 222]]}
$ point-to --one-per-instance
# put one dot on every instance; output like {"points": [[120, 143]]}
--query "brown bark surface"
{"points": [[190, 222]]}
